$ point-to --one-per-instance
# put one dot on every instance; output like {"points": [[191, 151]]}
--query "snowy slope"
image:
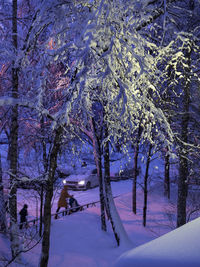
{"points": [[179, 248], [78, 241]]}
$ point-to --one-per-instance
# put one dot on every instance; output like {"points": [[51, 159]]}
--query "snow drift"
{"points": [[180, 247]]}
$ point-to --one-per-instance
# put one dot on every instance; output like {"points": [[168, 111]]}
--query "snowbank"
{"points": [[180, 247]]}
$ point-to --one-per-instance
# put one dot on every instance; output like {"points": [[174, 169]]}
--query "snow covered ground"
{"points": [[179, 248], [77, 240]]}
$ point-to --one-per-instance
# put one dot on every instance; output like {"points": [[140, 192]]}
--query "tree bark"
{"points": [[13, 149], [183, 156], [108, 190], [106, 155], [48, 198], [120, 234], [45, 164], [167, 176], [116, 223], [146, 186], [3, 224], [41, 208], [97, 157], [135, 172], [183, 163]]}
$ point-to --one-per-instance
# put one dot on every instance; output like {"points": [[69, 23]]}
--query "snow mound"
{"points": [[178, 248]]}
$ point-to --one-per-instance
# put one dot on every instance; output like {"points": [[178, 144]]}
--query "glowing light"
{"points": [[82, 182]]}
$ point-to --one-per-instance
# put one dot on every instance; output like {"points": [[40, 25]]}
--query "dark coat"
{"points": [[23, 213], [74, 204]]}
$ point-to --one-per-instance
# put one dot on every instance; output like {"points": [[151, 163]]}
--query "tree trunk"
{"points": [[48, 197], [47, 226], [45, 164], [106, 154], [97, 157], [146, 186], [167, 177], [183, 162], [41, 208], [108, 190], [117, 226], [3, 224], [14, 239], [135, 172], [168, 99]]}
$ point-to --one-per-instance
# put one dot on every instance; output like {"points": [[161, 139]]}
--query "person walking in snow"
{"points": [[62, 202], [23, 214], [74, 204]]}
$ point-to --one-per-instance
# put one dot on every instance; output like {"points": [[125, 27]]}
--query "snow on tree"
{"points": [[115, 68], [178, 60], [31, 55], [99, 56]]}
